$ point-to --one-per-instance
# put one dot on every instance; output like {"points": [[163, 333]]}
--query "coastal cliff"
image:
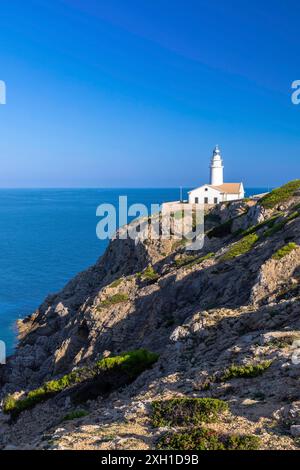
{"points": [[219, 324]]}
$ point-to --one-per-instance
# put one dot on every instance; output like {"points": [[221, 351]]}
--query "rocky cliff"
{"points": [[223, 323]]}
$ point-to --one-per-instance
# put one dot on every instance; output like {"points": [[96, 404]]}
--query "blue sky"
{"points": [[133, 93]]}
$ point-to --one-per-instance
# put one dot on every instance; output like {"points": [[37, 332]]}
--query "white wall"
{"points": [[211, 194], [201, 193]]}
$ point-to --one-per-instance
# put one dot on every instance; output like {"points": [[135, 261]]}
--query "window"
{"points": [[206, 200], [216, 200], [196, 200]]}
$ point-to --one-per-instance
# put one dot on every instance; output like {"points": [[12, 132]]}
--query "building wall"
{"points": [[198, 195], [233, 197]]}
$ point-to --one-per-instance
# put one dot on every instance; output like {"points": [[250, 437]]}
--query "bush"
{"points": [[190, 261], [184, 411], [149, 274], [247, 371], [241, 247], [275, 228], [113, 300], [75, 415], [133, 363], [116, 283], [9, 404], [196, 439], [207, 439], [266, 223], [279, 195], [282, 341], [285, 250], [238, 442]]}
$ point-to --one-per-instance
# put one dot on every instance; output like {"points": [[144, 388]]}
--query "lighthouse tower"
{"points": [[216, 168]]}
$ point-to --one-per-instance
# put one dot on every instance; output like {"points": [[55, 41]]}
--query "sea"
{"points": [[49, 235]]}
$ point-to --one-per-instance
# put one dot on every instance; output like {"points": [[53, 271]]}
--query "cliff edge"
{"points": [[213, 331]]}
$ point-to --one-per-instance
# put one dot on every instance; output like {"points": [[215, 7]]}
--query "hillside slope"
{"points": [[222, 323]]}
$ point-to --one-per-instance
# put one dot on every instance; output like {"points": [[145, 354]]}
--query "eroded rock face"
{"points": [[201, 317]]}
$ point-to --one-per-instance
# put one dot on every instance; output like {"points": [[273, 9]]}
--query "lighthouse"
{"points": [[216, 168], [216, 191]]}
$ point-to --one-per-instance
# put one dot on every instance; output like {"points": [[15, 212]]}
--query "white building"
{"points": [[217, 191]]}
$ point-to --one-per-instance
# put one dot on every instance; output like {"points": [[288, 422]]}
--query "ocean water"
{"points": [[49, 235]]}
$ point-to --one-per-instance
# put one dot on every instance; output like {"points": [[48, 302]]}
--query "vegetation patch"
{"points": [[207, 439], [130, 364], [116, 283], [149, 274], [201, 259], [178, 215], [245, 371], [241, 247], [279, 195], [266, 223], [283, 341], [75, 415], [285, 250], [275, 228], [190, 261], [179, 243], [113, 300], [186, 411], [280, 224]]}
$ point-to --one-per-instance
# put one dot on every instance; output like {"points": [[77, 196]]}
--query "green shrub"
{"points": [[241, 247], [280, 224], [239, 442], [247, 371], [196, 439], [184, 411], [279, 195], [149, 274], [190, 261], [9, 404], [207, 439], [285, 250], [293, 216], [133, 363], [283, 341], [113, 300], [75, 415], [179, 244], [275, 228], [184, 260], [178, 215], [266, 223], [116, 283]]}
